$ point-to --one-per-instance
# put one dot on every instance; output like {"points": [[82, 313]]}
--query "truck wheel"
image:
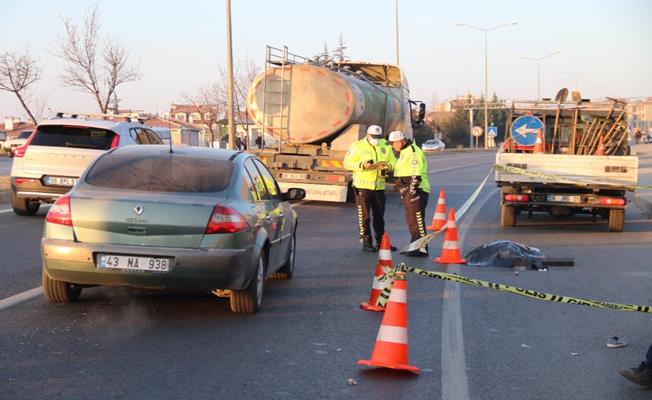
{"points": [[248, 301], [616, 220], [59, 291], [23, 206], [507, 216]]}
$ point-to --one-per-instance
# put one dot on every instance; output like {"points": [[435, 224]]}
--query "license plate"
{"points": [[558, 198], [133, 263], [290, 175], [60, 181]]}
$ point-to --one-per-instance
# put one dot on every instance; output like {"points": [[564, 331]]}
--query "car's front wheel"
{"points": [[59, 291], [23, 206], [248, 301]]}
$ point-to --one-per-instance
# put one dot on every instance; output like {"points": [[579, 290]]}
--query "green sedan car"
{"points": [[191, 218]]}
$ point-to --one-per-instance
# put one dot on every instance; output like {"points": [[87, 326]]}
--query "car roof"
{"points": [[91, 123], [209, 152]]}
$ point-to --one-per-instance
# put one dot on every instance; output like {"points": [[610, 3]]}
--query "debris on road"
{"points": [[351, 382], [505, 254]]}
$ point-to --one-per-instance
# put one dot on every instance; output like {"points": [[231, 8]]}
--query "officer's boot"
{"points": [[368, 245]]}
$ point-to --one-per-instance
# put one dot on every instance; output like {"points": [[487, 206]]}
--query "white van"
{"points": [[54, 157]]}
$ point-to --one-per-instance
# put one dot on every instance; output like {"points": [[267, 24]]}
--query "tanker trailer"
{"points": [[315, 111]]}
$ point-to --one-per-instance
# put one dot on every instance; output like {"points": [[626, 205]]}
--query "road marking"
{"points": [[6, 210], [20, 297], [454, 379]]}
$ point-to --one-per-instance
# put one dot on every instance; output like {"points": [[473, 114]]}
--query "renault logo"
{"points": [[139, 209]]}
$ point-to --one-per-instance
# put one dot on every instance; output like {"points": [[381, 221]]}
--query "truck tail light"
{"points": [[20, 150], [225, 220], [522, 198], [612, 201], [60, 212]]}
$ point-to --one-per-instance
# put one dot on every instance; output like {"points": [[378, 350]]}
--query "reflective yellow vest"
{"points": [[359, 153], [412, 162]]}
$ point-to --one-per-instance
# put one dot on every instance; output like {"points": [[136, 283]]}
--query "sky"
{"points": [[181, 45]]}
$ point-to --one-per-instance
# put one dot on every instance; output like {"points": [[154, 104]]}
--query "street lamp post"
{"points": [[538, 60], [486, 84], [229, 73], [577, 78]]}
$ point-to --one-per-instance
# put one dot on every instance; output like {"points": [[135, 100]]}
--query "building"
{"points": [[12, 126], [200, 114], [181, 133], [639, 114]]}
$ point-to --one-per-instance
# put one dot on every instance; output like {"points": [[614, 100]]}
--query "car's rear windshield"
{"points": [[161, 173], [73, 136]]}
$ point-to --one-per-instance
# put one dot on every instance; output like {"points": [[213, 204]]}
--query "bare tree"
{"points": [[208, 97], [93, 65], [243, 75], [17, 73]]}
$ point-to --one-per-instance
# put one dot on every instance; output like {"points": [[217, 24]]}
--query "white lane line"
{"points": [[458, 167], [20, 297], [454, 378], [6, 210]]}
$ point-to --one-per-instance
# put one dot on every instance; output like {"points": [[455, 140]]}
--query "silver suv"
{"points": [[59, 150]]}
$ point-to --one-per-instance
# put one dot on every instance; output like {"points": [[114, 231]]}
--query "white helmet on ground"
{"points": [[395, 136], [375, 130]]}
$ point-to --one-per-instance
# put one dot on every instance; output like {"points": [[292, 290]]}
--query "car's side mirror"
{"points": [[294, 194]]}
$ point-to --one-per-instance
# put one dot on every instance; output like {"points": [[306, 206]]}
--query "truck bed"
{"points": [[580, 170]]}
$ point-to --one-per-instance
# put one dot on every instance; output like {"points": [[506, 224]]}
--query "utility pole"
{"points": [[398, 61], [229, 62]]}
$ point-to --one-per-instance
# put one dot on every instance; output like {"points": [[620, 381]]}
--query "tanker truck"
{"points": [[315, 110]]}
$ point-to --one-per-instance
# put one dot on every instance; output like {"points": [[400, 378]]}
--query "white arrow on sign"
{"points": [[523, 130]]}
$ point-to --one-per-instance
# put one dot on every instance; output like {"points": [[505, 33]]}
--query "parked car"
{"points": [[11, 144], [433, 145], [3, 139], [52, 159], [647, 138], [193, 219]]}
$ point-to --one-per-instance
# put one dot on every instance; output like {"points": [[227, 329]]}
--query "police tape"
{"points": [[423, 241], [533, 294], [560, 179]]}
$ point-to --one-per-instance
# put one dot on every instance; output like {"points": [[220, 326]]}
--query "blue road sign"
{"points": [[524, 130], [492, 131]]}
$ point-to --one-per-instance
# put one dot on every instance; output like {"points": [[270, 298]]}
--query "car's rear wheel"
{"points": [[23, 206], [248, 301], [287, 270], [59, 291]]}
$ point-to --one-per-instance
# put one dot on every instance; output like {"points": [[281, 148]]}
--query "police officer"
{"points": [[411, 173], [370, 159]]}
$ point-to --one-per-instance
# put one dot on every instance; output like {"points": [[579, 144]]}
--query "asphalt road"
{"points": [[470, 343]]}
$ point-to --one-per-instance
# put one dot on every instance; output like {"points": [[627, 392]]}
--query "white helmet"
{"points": [[395, 136], [375, 130]]}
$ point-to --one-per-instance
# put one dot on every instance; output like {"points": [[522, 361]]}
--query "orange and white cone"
{"points": [[450, 252], [391, 348], [439, 219], [600, 150], [376, 301], [538, 145]]}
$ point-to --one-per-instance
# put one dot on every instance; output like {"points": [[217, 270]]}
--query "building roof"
{"points": [[191, 108]]}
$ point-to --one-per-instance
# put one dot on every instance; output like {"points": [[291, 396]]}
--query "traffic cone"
{"points": [[450, 252], [439, 219], [538, 145], [600, 150], [391, 348], [384, 265]]}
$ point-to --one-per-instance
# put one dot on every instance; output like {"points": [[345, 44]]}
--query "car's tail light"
{"points": [[612, 201], [60, 212], [517, 197], [225, 220], [115, 141], [20, 150]]}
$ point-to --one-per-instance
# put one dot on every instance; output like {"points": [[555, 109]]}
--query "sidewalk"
{"points": [[643, 198]]}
